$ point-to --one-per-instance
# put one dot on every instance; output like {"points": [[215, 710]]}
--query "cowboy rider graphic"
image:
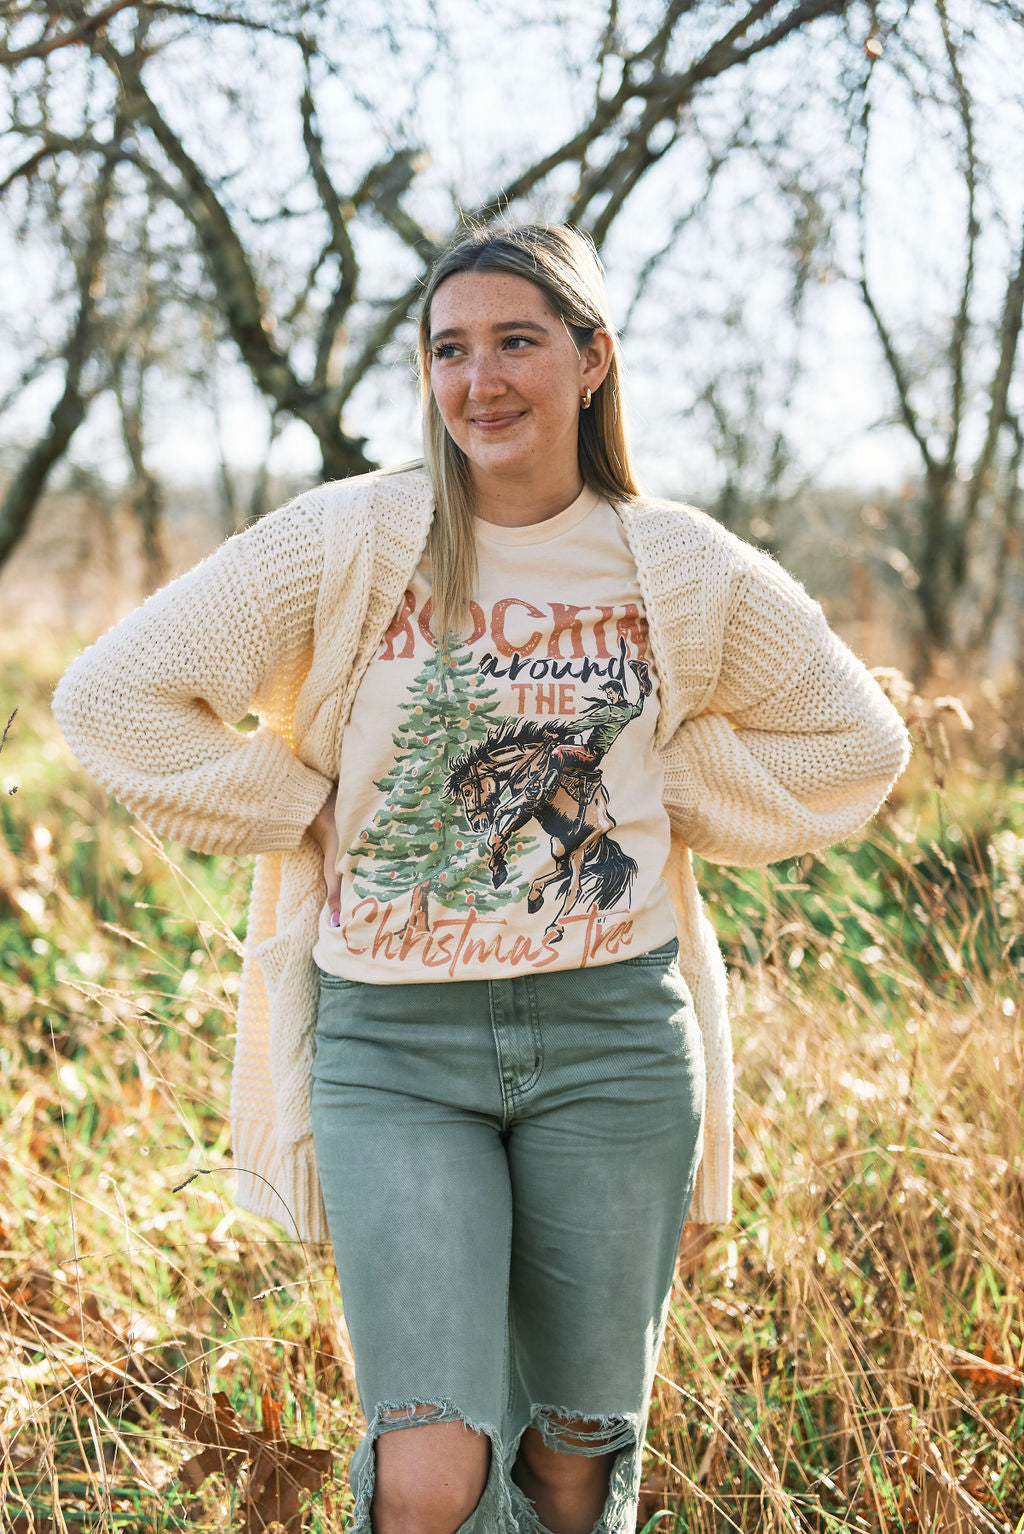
{"points": [[605, 719]]}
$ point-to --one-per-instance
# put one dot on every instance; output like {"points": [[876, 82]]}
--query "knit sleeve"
{"points": [[151, 709], [798, 745]]}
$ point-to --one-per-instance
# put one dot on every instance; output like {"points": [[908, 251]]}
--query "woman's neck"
{"points": [[510, 503]]}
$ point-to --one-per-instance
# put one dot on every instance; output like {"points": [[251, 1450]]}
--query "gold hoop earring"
{"points": [[585, 398]]}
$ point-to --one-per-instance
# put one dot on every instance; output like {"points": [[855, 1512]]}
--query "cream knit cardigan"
{"points": [[774, 738]]}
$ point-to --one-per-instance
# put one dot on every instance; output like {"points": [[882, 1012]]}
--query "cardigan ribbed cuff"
{"points": [[301, 794], [289, 1193], [712, 1194]]}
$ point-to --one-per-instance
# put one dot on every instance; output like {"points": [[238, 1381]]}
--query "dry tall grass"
{"points": [[847, 1355]]}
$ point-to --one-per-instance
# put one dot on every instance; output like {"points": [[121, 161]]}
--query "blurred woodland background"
{"points": [[215, 220]]}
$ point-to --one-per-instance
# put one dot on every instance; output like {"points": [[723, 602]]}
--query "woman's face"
{"points": [[507, 376]]}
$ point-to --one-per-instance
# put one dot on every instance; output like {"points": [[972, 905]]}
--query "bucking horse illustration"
{"points": [[526, 770]]}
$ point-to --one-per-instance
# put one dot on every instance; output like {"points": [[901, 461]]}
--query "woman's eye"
{"points": [[447, 348]]}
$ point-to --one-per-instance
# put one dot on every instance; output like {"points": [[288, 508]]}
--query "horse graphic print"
{"points": [[525, 771]]}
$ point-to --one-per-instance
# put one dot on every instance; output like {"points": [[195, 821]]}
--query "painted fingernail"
{"points": [[335, 918]]}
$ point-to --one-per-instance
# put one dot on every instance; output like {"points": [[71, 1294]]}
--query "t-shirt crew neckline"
{"points": [[540, 532]]}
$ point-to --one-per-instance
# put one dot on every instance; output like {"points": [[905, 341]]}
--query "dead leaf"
{"points": [[987, 1374], [271, 1416], [195, 1470], [693, 1244], [331, 1355], [975, 1483], [278, 1474]]}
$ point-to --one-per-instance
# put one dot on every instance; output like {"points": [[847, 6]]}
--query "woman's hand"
{"points": [[325, 830]]}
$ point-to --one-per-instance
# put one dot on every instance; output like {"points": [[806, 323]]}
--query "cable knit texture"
{"points": [[774, 738]]}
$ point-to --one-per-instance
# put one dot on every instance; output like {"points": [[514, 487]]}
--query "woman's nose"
{"points": [[485, 376]]}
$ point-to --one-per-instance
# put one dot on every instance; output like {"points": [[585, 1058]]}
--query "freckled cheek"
{"points": [[447, 400], [557, 404], [558, 393]]}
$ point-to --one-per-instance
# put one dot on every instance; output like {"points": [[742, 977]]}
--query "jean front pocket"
{"points": [[337, 1002]]}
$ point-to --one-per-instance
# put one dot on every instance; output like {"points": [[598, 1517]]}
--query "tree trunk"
{"points": [[30, 480], [418, 920]]}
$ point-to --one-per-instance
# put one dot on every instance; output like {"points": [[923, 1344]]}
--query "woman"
{"points": [[502, 696]]}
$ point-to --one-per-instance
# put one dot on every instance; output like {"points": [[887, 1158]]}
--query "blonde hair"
{"points": [[563, 263]]}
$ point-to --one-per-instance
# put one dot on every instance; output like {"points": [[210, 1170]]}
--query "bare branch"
{"points": [[574, 149], [901, 381], [214, 18], [999, 393], [395, 314], [623, 169], [799, 16], [246, 316], [84, 143], [340, 243], [1007, 550], [631, 164], [666, 97], [654, 260], [26, 169], [725, 54], [961, 322], [656, 47], [382, 187], [607, 48], [89, 27]]}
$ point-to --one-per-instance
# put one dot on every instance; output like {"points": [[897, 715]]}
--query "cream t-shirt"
{"points": [[500, 808]]}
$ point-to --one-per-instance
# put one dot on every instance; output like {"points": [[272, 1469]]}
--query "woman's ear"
{"points": [[597, 358]]}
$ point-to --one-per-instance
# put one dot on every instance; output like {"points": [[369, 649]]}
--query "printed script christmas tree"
{"points": [[419, 842]]}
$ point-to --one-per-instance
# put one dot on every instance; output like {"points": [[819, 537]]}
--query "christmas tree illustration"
{"points": [[418, 842]]}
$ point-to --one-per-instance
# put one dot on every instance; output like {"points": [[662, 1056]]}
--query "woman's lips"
{"points": [[497, 423]]}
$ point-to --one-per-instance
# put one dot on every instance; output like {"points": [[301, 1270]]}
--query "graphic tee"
{"points": [[500, 805]]}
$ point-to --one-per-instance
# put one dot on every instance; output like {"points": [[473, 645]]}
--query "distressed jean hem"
{"points": [[394, 1416], [503, 1507], [622, 1432]]}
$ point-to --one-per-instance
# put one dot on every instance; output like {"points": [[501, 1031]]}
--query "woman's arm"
{"points": [[798, 745], [149, 709], [324, 830]]}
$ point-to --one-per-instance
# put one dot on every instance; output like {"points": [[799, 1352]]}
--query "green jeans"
{"points": [[506, 1167]]}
